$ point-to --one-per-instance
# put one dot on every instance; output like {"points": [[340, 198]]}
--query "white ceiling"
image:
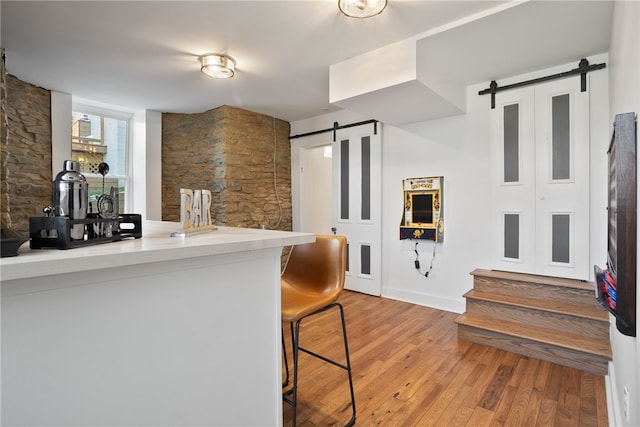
{"points": [[144, 54]]}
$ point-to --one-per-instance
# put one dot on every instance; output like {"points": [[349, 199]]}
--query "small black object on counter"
{"points": [[10, 242]]}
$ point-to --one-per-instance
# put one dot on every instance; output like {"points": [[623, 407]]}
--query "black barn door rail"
{"points": [[583, 69], [336, 127]]}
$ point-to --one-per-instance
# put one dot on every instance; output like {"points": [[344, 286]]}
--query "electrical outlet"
{"points": [[625, 404]]}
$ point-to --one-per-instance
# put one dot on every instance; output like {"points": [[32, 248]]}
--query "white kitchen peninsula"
{"points": [[154, 331]]}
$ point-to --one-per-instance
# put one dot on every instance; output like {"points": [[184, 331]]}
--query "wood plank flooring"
{"points": [[409, 369]]}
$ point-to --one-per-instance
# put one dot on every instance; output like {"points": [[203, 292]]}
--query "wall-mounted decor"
{"points": [[616, 288], [422, 216]]}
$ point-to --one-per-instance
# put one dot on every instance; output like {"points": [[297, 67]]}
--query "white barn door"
{"points": [[562, 174], [513, 182], [357, 162], [540, 180]]}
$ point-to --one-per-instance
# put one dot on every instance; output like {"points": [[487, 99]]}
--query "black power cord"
{"points": [[417, 261]]}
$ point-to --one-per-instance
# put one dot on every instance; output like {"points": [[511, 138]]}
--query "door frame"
{"points": [[299, 149]]}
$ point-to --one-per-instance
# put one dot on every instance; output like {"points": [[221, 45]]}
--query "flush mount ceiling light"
{"points": [[217, 65], [361, 8]]}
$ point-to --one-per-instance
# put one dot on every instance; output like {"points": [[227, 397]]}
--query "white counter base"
{"points": [[187, 341]]}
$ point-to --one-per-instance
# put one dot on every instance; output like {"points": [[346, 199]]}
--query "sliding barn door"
{"points": [[540, 180], [356, 174]]}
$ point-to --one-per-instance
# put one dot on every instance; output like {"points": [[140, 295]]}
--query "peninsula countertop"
{"points": [[156, 245]]}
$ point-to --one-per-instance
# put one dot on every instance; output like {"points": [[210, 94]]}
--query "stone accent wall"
{"points": [[229, 151], [25, 151], [192, 145]]}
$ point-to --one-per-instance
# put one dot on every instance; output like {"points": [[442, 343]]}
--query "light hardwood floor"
{"points": [[410, 369]]}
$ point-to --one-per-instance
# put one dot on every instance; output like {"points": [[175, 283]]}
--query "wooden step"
{"points": [[543, 280], [553, 319], [525, 285], [588, 320], [592, 310], [565, 348]]}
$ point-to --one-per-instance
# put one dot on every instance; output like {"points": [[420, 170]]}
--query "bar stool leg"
{"points": [[295, 336], [293, 392], [286, 362], [352, 421], [294, 396]]}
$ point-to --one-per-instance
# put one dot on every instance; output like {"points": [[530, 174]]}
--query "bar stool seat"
{"points": [[297, 304], [311, 283]]}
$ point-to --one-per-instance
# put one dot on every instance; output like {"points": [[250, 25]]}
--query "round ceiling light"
{"points": [[361, 8], [217, 65]]}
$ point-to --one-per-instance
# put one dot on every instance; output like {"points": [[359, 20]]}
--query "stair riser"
{"points": [[524, 289], [586, 362], [555, 321]]}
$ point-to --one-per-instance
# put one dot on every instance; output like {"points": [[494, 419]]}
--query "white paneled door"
{"points": [[540, 180], [357, 203]]}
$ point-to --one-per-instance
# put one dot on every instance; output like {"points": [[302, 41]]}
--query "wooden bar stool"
{"points": [[311, 283]]}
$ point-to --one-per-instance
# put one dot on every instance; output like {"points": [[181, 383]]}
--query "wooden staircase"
{"points": [[548, 318]]}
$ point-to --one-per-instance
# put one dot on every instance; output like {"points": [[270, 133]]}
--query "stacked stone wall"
{"points": [[192, 147], [233, 153], [25, 152]]}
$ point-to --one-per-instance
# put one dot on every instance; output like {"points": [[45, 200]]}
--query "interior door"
{"points": [[540, 180], [562, 179], [357, 160], [513, 182]]}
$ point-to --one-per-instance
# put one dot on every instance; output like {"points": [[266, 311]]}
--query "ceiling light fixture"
{"points": [[361, 8], [217, 65]]}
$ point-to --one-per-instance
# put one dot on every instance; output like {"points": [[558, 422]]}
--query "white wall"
{"points": [[458, 148], [136, 200], [151, 184], [61, 107], [624, 89]]}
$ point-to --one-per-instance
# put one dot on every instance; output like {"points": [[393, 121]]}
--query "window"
{"points": [[101, 136]]}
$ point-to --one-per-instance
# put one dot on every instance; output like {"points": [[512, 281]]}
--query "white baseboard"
{"points": [[446, 304], [613, 400]]}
